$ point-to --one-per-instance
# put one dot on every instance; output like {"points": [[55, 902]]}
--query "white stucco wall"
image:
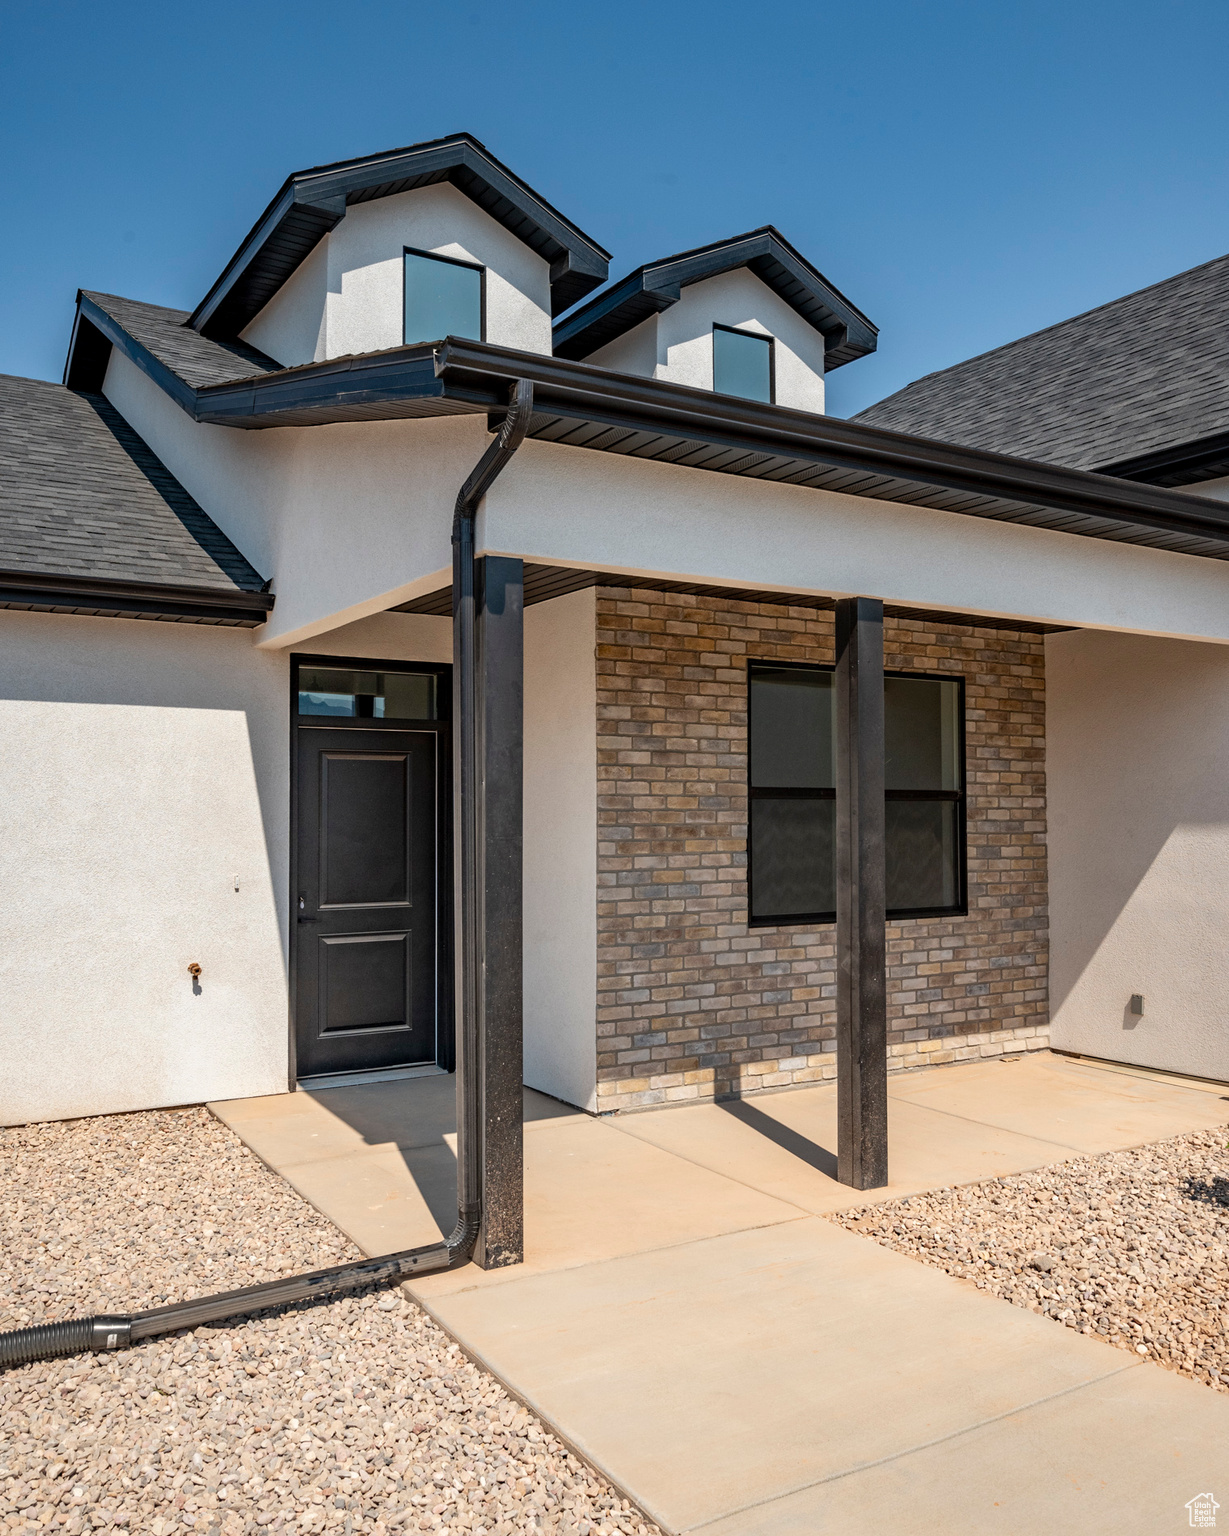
{"points": [[144, 766], [560, 886], [355, 518], [677, 345], [348, 520], [292, 327], [1137, 767], [634, 352], [359, 305], [642, 517]]}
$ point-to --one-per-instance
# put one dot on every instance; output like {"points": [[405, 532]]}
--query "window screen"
{"points": [[352, 695], [792, 790], [742, 364], [442, 298]]}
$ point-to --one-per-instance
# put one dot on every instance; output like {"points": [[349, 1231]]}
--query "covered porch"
{"points": [[688, 1320]]}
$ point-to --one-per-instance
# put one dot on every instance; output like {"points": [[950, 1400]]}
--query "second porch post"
{"points": [[499, 708], [861, 1008]]}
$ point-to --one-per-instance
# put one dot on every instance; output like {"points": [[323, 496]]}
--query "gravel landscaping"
{"points": [[354, 1415], [1131, 1246]]}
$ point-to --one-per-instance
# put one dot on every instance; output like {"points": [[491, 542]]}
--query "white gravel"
{"points": [[1130, 1246], [354, 1415]]}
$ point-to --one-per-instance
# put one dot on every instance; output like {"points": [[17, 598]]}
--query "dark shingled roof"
{"points": [[198, 360], [1135, 377], [82, 495]]}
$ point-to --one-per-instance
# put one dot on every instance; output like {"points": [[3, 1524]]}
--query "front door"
{"points": [[366, 900]]}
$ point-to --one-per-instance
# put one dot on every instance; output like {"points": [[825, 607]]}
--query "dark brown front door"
{"points": [[365, 958]]}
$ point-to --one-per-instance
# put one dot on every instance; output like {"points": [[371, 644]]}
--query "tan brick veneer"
{"points": [[691, 1002]]}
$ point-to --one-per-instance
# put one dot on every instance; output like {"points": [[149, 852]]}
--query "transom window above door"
{"points": [[792, 794], [443, 297], [346, 694]]}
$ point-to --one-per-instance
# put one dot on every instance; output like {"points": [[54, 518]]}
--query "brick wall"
{"points": [[691, 1002]]}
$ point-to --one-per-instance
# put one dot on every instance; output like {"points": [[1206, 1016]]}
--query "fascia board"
{"points": [[319, 212], [586, 254], [66, 590], [400, 374], [165, 378], [657, 406]]}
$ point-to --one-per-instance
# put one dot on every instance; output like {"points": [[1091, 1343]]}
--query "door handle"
{"points": [[308, 919]]}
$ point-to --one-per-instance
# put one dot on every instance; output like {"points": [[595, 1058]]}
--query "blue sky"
{"points": [[965, 173]]}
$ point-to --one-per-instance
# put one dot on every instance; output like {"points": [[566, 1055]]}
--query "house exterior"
{"points": [[227, 718]]}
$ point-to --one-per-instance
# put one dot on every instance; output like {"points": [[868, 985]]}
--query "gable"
{"points": [[347, 296], [677, 344], [314, 202]]}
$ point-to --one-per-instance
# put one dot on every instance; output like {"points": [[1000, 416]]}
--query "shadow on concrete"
{"points": [[790, 1141], [418, 1116]]}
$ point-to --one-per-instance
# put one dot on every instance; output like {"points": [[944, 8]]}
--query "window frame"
{"points": [[958, 796], [440, 670], [455, 261], [739, 330]]}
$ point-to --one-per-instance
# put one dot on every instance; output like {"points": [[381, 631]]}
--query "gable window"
{"points": [[443, 297], [742, 364], [792, 794]]}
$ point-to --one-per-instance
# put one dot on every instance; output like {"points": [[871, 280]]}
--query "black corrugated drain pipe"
{"points": [[74, 1336]]}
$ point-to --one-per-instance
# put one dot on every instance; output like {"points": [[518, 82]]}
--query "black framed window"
{"points": [[791, 842], [443, 297], [353, 693], [742, 364]]}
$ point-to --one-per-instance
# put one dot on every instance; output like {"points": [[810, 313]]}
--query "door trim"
{"points": [[445, 1023]]}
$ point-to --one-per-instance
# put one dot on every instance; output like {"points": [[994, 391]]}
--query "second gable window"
{"points": [[442, 298], [742, 364]]}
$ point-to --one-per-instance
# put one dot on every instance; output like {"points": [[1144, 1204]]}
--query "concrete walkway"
{"points": [[736, 1364]]}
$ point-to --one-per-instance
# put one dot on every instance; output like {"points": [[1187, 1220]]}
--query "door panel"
{"points": [[365, 982], [364, 829], [365, 954]]}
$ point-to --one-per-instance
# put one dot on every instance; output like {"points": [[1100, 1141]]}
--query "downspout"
{"points": [[45, 1341], [467, 845]]}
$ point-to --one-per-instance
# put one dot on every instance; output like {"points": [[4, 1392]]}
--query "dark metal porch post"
{"points": [[499, 709], [861, 1006]]}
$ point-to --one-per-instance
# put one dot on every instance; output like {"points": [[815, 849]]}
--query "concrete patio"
{"points": [[735, 1363]]}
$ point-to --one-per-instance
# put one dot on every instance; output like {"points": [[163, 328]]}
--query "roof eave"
{"points": [[68, 593], [459, 377], [748, 425]]}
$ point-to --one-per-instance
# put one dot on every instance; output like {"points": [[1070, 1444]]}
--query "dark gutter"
{"points": [[580, 390], [399, 375], [133, 599]]}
